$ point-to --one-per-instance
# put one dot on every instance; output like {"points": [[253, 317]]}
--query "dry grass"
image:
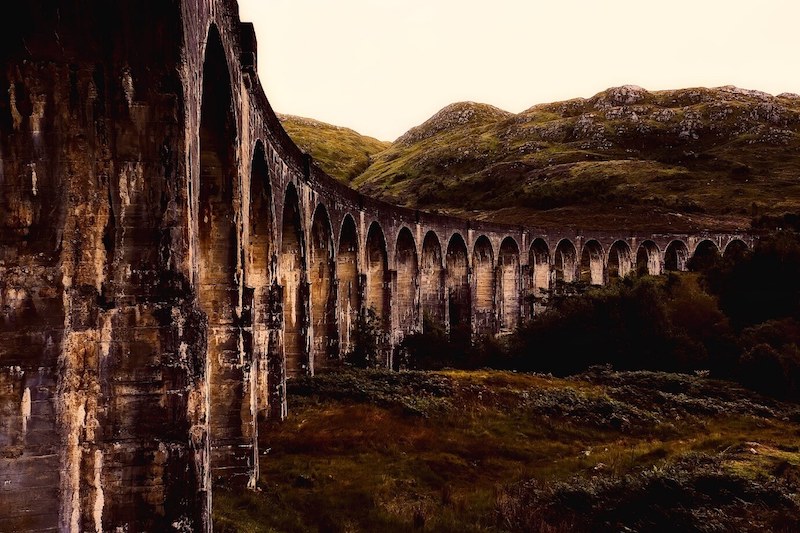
{"points": [[358, 454]]}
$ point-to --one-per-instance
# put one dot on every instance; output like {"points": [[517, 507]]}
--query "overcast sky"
{"points": [[383, 66]]}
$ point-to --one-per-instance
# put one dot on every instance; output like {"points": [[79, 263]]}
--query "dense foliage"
{"points": [[737, 317]]}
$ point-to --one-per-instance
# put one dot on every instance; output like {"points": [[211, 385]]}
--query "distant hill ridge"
{"points": [[626, 157], [341, 152]]}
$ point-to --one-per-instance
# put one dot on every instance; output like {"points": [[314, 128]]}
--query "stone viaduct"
{"points": [[169, 258]]}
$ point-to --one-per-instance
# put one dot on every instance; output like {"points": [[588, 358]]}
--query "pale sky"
{"points": [[383, 66]]}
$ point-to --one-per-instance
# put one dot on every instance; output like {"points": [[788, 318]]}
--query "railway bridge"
{"points": [[169, 258]]}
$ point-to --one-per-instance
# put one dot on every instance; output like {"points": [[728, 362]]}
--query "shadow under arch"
{"points": [[322, 275], [648, 259], [565, 263], [509, 290], [349, 287], [706, 254], [259, 276], [407, 267], [218, 292], [592, 267], [377, 283], [459, 301], [293, 280], [432, 298], [538, 276], [620, 260], [676, 255], [485, 285], [735, 250]]}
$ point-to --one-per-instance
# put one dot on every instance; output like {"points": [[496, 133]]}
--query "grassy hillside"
{"points": [[672, 160], [696, 157], [341, 152], [498, 451]]}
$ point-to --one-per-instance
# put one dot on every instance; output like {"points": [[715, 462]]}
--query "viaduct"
{"points": [[169, 258]]}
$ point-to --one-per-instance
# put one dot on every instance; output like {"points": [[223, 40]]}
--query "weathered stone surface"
{"points": [[168, 258]]}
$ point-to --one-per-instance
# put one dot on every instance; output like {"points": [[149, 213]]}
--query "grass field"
{"points": [[500, 451]]}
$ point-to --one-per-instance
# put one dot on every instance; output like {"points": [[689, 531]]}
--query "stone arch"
{"points": [[565, 262], [620, 260], [432, 274], [509, 270], [457, 286], [261, 244], [259, 276], [735, 250], [407, 267], [485, 284], [323, 296], [676, 255], [293, 280], [349, 292], [218, 292], [538, 275], [648, 259], [706, 254], [377, 271], [591, 270]]}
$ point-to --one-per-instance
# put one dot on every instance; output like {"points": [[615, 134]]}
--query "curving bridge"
{"points": [[168, 258]]}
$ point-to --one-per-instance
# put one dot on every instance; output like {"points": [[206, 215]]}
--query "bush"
{"points": [[630, 325], [772, 371], [696, 493], [761, 286], [369, 341], [430, 349], [434, 349]]}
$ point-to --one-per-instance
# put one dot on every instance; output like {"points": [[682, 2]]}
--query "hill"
{"points": [[341, 152], [674, 160]]}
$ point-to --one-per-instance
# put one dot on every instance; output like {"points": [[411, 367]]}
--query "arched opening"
{"points": [[432, 296], [592, 263], [377, 298], [620, 260], [260, 250], [676, 256], [348, 287], [483, 267], [321, 277], [735, 250], [259, 274], [457, 286], [539, 279], [706, 255], [565, 263], [405, 299], [218, 293], [509, 285], [292, 261], [648, 259]]}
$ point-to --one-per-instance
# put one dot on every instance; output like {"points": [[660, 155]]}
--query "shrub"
{"points": [[369, 341], [696, 493], [772, 371], [627, 324], [434, 349], [761, 286], [429, 349]]}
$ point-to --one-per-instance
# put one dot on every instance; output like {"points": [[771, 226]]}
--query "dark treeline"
{"points": [[737, 317]]}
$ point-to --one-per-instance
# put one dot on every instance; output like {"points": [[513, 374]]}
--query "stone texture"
{"points": [[168, 258]]}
